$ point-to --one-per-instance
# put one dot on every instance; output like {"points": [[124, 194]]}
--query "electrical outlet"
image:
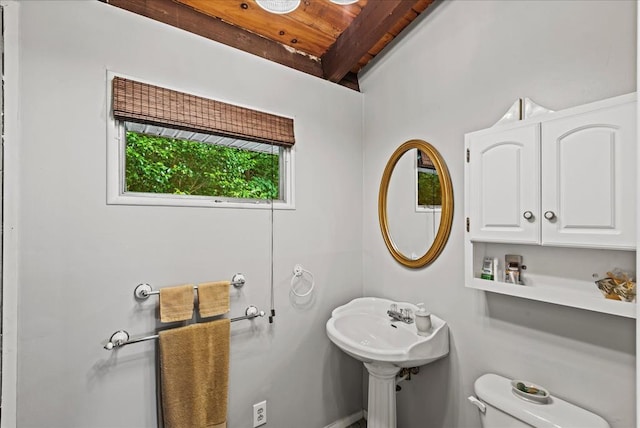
{"points": [[259, 414]]}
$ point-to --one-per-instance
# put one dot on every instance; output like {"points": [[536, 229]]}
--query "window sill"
{"points": [[146, 199]]}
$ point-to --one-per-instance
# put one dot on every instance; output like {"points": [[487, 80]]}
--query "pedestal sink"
{"points": [[362, 329]]}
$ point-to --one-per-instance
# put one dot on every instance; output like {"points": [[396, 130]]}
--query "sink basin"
{"points": [[362, 329]]}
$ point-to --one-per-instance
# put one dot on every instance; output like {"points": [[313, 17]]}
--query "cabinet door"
{"points": [[589, 179], [503, 182]]}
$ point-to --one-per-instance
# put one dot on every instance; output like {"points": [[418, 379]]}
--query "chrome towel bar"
{"points": [[143, 291], [121, 338]]}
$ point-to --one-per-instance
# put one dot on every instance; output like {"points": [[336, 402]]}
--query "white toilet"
{"points": [[500, 407]]}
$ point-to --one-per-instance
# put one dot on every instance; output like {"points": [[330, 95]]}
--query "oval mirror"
{"points": [[415, 204]]}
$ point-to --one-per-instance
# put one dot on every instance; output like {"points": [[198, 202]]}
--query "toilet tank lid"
{"points": [[496, 391]]}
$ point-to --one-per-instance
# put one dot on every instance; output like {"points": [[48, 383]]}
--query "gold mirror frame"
{"points": [[446, 218]]}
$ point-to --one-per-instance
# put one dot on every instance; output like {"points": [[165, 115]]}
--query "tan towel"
{"points": [[213, 298], [194, 372], [176, 303]]}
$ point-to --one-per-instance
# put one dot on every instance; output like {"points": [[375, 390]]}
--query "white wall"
{"points": [[638, 232], [458, 70], [79, 259]]}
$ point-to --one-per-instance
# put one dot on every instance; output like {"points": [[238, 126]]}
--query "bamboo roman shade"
{"points": [[424, 161], [140, 102]]}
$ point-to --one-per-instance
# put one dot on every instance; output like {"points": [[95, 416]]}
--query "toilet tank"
{"points": [[506, 409]]}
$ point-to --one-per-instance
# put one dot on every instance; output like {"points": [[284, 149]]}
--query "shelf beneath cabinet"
{"points": [[576, 294]]}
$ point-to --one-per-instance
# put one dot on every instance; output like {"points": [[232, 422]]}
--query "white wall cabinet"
{"points": [[589, 178], [564, 179], [503, 168]]}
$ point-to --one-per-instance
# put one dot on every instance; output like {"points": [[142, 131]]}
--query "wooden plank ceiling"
{"points": [[321, 38]]}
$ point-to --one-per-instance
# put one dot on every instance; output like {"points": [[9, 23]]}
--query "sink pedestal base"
{"points": [[381, 411]]}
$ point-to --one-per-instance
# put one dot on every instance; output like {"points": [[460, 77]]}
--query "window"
{"points": [[428, 194], [169, 161], [171, 148]]}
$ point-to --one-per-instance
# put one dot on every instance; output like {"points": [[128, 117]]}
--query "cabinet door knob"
{"points": [[549, 215], [527, 215]]}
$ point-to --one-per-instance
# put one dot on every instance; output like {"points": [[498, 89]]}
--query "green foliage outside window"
{"points": [[429, 192], [167, 165]]}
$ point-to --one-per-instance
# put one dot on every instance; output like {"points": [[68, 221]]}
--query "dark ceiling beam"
{"points": [[375, 19], [188, 19], [350, 81]]}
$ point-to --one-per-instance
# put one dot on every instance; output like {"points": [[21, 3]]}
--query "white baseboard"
{"points": [[346, 421]]}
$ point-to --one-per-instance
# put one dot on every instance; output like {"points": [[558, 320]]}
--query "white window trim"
{"points": [[423, 209], [116, 194]]}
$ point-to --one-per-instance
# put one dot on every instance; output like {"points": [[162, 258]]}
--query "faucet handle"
{"points": [[406, 313], [393, 307]]}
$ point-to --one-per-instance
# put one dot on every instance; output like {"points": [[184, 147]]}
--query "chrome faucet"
{"points": [[405, 315]]}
